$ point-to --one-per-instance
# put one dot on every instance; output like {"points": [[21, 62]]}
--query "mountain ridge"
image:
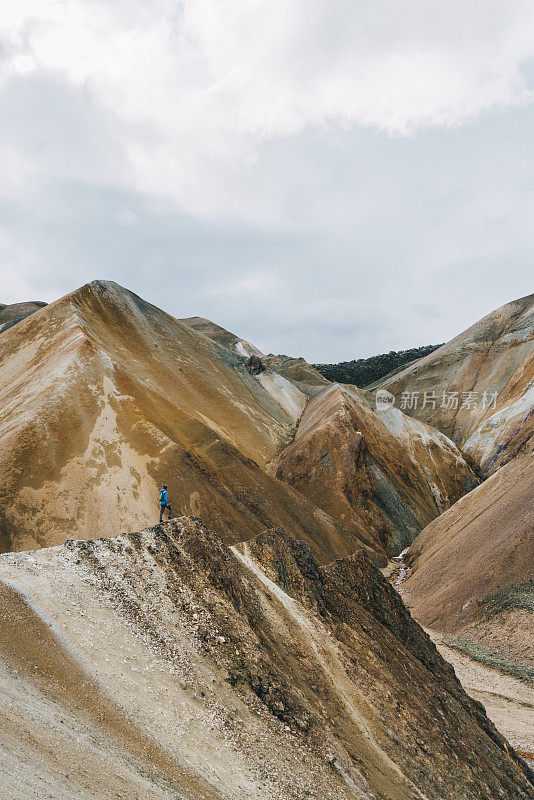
{"points": [[106, 397], [186, 624], [269, 658], [103, 394]]}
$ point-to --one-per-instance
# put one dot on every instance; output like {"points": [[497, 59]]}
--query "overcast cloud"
{"points": [[328, 178]]}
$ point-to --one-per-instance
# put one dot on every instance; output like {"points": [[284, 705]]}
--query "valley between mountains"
{"points": [[277, 637]]}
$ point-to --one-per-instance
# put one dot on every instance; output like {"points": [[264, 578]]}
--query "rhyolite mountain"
{"points": [[470, 572], [105, 397], [15, 312], [296, 370], [258, 651], [222, 336], [471, 569], [486, 374], [383, 475], [166, 665]]}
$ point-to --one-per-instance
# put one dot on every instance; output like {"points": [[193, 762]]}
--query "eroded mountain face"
{"points": [[471, 569], [222, 336], [483, 382], [105, 397], [299, 372], [382, 475], [165, 664], [186, 663]]}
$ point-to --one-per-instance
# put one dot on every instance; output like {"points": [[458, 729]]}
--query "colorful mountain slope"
{"points": [[480, 386], [221, 335], [471, 569], [382, 475], [15, 312], [105, 397], [166, 665]]}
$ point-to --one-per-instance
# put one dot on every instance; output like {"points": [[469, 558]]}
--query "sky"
{"points": [[327, 178]]}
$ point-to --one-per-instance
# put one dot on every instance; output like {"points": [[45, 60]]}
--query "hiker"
{"points": [[163, 503]]}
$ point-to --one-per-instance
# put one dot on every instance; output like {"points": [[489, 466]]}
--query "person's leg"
{"points": [[161, 510], [169, 509]]}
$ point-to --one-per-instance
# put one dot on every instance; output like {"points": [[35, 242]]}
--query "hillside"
{"points": [[165, 664], [299, 372], [296, 370], [480, 386], [471, 567], [384, 476], [105, 397], [470, 570], [221, 335], [11, 314], [269, 659]]}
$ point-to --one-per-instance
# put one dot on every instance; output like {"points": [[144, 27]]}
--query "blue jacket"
{"points": [[163, 496]]}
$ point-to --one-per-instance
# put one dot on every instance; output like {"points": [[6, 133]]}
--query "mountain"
{"points": [[11, 314], [270, 659], [165, 664], [222, 336], [296, 370], [471, 569], [382, 475], [480, 386], [105, 397], [299, 372]]}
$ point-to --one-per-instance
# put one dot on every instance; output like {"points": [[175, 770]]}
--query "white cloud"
{"points": [[195, 87], [394, 65], [310, 174]]}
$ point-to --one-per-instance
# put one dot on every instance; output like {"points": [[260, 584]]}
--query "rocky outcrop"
{"points": [[254, 365], [295, 370], [298, 371], [175, 665], [382, 475]]}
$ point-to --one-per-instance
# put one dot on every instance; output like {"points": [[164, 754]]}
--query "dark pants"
{"points": [[162, 508]]}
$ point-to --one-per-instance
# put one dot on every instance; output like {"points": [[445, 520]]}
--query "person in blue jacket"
{"points": [[164, 503]]}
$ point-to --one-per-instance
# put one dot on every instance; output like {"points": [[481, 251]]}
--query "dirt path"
{"points": [[509, 702]]}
